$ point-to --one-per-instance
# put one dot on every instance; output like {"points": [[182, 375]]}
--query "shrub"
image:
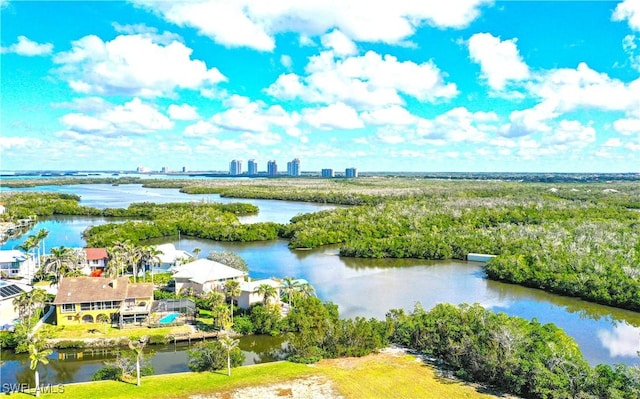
{"points": [[243, 325], [70, 344], [211, 356], [108, 373]]}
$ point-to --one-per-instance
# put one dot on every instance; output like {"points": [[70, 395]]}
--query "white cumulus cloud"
{"points": [[364, 81], [628, 10], [28, 47], [18, 143], [253, 116], [184, 112], [339, 43], [627, 126], [201, 129], [254, 23], [134, 117], [334, 116], [133, 65], [499, 60]]}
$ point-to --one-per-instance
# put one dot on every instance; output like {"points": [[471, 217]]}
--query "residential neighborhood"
{"points": [[90, 295]]}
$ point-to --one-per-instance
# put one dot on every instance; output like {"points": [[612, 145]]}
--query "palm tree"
{"points": [[307, 290], [131, 255], [138, 349], [232, 290], [61, 262], [104, 319], [36, 356], [27, 303], [266, 291], [40, 236], [213, 299], [289, 286], [229, 344], [28, 246], [196, 251], [116, 264], [221, 316], [22, 304], [124, 255], [149, 256]]}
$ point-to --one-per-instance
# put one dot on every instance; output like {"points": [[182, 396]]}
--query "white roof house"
{"points": [[250, 295], [15, 263], [205, 275], [170, 257], [8, 291]]}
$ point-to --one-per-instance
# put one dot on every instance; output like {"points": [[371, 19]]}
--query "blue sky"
{"points": [[464, 85]]}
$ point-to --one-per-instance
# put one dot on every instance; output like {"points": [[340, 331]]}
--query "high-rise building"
{"points": [[272, 168], [235, 167], [252, 167], [184, 169], [327, 173], [351, 172], [293, 167], [165, 169]]}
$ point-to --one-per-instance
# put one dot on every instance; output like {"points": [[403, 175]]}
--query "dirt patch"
{"points": [[314, 387]]}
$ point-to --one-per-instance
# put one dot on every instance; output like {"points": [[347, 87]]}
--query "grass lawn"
{"points": [[183, 385], [97, 330], [377, 376], [393, 376]]}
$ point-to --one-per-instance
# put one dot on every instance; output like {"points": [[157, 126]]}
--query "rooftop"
{"points": [[203, 270], [12, 255], [92, 289], [96, 253]]}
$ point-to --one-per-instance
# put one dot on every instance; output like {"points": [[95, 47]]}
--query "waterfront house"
{"points": [[95, 260], [169, 258], [15, 263], [251, 296], [8, 291], [89, 300], [205, 275]]}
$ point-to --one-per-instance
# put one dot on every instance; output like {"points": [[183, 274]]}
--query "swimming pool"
{"points": [[170, 318]]}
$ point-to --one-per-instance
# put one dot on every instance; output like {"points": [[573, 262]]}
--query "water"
{"points": [[103, 196], [66, 366], [170, 318], [370, 287]]}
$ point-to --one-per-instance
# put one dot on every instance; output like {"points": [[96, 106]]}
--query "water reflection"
{"points": [[66, 366], [622, 341]]}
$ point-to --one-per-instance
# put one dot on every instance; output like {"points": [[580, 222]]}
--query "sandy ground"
{"points": [[309, 388]]}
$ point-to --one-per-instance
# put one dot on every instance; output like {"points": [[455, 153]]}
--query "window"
{"points": [[68, 307], [85, 306]]}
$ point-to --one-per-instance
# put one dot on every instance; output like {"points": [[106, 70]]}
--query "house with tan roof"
{"points": [[205, 275], [90, 300]]}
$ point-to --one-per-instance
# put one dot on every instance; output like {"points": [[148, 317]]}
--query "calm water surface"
{"points": [[66, 366], [369, 288]]}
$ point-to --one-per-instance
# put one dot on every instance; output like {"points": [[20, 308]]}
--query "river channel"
{"points": [[360, 287]]}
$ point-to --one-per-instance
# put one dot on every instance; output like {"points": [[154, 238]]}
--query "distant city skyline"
{"points": [[458, 86]]}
